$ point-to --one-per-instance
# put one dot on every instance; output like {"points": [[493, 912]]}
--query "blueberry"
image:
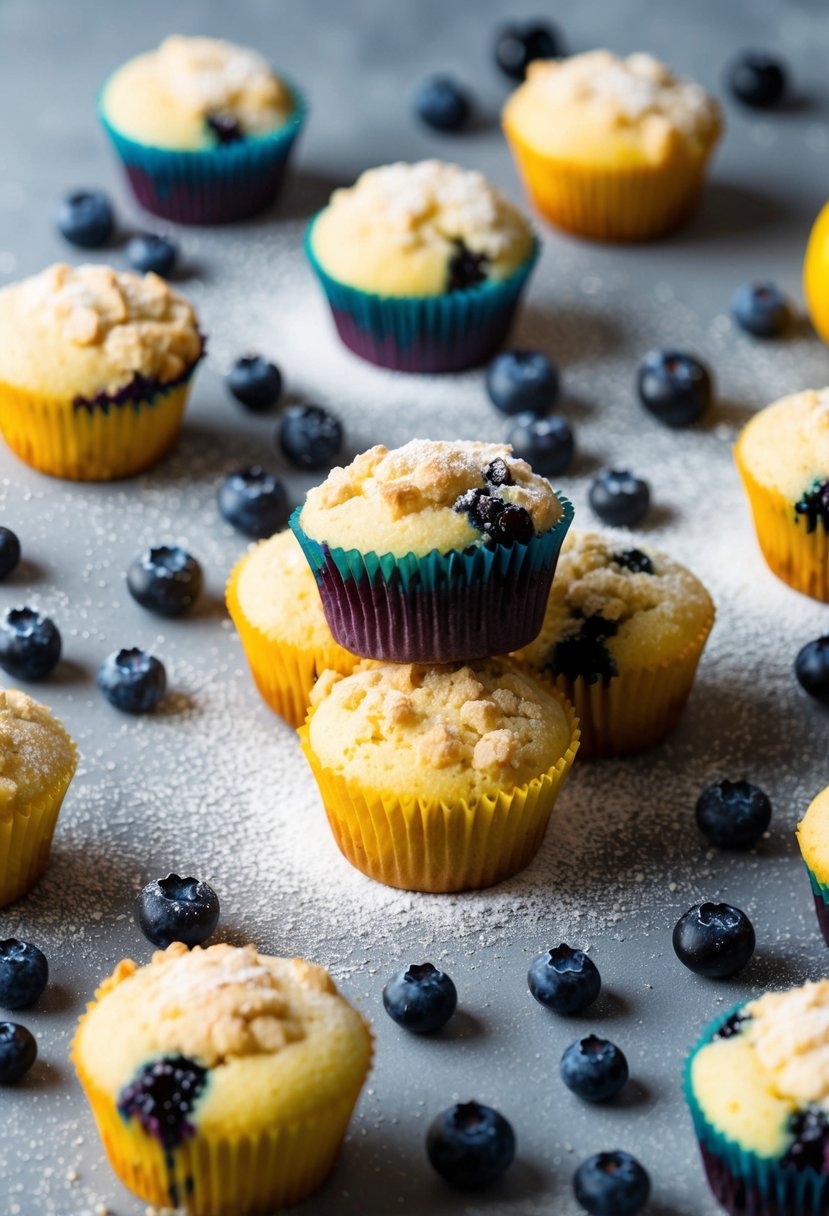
{"points": [[620, 499], [421, 998], [516, 46], [522, 381], [466, 268], [715, 940], [812, 669], [149, 253], [810, 1146], [594, 1069], [226, 127], [757, 79], [761, 309], [612, 1184], [165, 580], [310, 436], [674, 387], [633, 560], [24, 973], [545, 443], [161, 1097], [470, 1145], [9, 552], [175, 909], [441, 103], [497, 473], [132, 680], [85, 218], [255, 382], [29, 644], [565, 980], [733, 814], [254, 502], [18, 1052]]}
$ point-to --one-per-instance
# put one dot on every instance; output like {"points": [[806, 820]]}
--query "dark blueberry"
{"points": [[731, 1026], [132, 680], [584, 653], [612, 1184], [814, 506], [733, 814], [674, 387], [255, 382], [9, 552], [165, 580], [24, 973], [29, 644], [634, 560], [441, 103], [470, 1145], [310, 437], [466, 269], [175, 909], [516, 46], [85, 218], [522, 382], [545, 443], [486, 511], [620, 499], [715, 940], [254, 502], [757, 79], [810, 1149], [497, 473], [812, 669], [565, 980], [226, 127], [468, 502], [420, 997], [162, 1097], [761, 309], [514, 526], [149, 253], [18, 1052], [594, 1069]]}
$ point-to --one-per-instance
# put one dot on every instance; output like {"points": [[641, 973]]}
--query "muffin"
{"points": [[204, 129], [434, 551], [813, 838], [273, 599], [758, 1089], [221, 1080], [438, 778], [611, 148], [37, 763], [423, 265], [95, 370], [783, 459], [622, 636]]}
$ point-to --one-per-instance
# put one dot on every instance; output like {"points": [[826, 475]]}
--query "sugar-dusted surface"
{"points": [[214, 786]]}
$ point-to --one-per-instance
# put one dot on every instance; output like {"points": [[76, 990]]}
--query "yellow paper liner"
{"points": [[26, 838]]}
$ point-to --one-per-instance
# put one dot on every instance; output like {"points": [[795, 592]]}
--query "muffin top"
{"points": [[102, 328], [786, 448], [600, 108], [430, 495], [420, 230], [813, 836], [613, 608], [449, 732], [36, 754]]}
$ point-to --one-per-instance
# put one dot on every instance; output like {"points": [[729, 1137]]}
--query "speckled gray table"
{"points": [[214, 785]]}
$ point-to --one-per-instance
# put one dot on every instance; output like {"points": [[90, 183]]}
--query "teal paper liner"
{"points": [[820, 893]]}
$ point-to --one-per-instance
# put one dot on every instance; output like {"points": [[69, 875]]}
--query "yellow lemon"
{"points": [[816, 274]]}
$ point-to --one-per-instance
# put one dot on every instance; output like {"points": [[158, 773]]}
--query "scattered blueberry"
{"points": [[545, 443], [733, 814], [594, 1069], [18, 1052], [132, 680], [612, 1184], [522, 381], [620, 499], [175, 909], [715, 940], [761, 309], [85, 218], [564, 979], [421, 998], [441, 103], [812, 669], [470, 1145], [516, 46], [29, 644], [149, 253], [254, 502], [674, 387], [9, 552], [165, 580], [757, 79], [161, 1097], [24, 973], [310, 436], [255, 382]]}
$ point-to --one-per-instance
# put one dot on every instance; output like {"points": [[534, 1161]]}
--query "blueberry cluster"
{"points": [[584, 654], [24, 973], [502, 523], [466, 269], [814, 506], [162, 1097], [86, 219]]}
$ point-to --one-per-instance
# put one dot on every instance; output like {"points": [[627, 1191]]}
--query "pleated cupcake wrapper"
{"points": [[213, 185], [26, 839], [283, 672], [820, 892], [445, 333], [439, 608], [798, 557]]}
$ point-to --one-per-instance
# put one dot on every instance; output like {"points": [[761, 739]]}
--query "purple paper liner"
{"points": [[822, 910]]}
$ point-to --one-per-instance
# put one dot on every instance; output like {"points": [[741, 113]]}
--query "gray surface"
{"points": [[214, 785]]}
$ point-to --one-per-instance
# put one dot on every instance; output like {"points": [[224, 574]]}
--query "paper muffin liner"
{"points": [[798, 557], [820, 893], [445, 333], [213, 185], [26, 838], [444, 607], [283, 672]]}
